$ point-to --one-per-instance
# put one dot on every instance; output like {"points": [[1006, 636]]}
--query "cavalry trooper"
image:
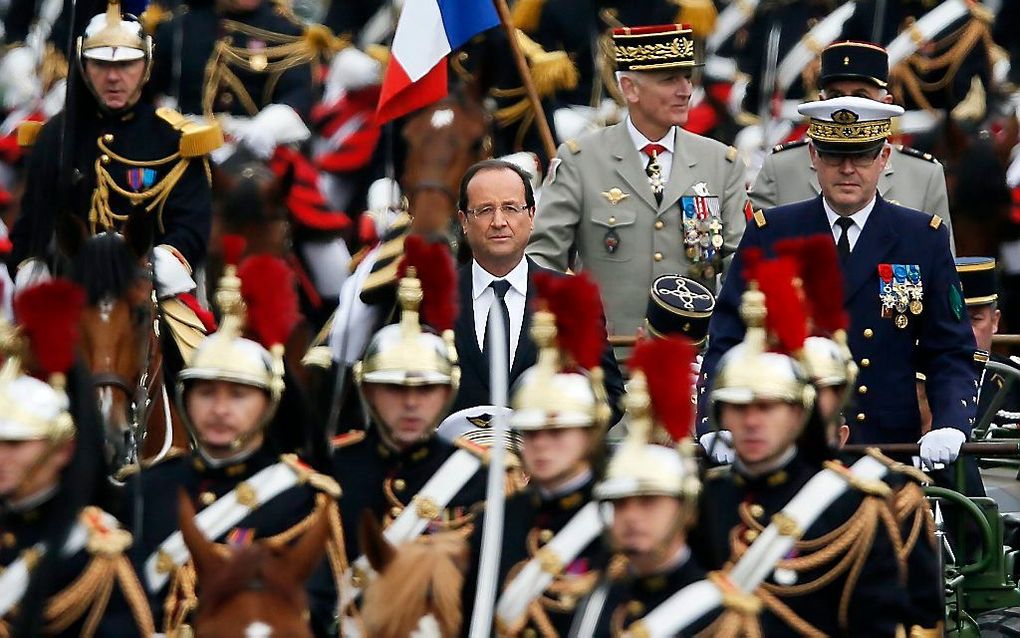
{"points": [[842, 576], [900, 288], [560, 412], [126, 159], [49, 479], [910, 178], [247, 58], [977, 276], [241, 486], [399, 470], [652, 493], [643, 198]]}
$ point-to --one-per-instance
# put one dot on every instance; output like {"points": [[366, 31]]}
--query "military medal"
{"points": [[655, 175], [916, 289], [901, 321], [885, 290], [140, 179], [702, 230], [611, 241], [614, 195], [900, 287]]}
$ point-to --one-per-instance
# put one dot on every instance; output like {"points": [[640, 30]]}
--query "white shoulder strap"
{"points": [[217, 519], [820, 36], [584, 527], [925, 29]]}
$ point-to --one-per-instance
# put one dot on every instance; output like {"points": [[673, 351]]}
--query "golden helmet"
{"points": [[110, 38], [828, 362], [409, 353], [564, 388], [639, 467], [748, 372], [32, 409], [243, 298]]}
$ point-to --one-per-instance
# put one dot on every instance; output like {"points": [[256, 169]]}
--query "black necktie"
{"points": [[843, 243], [500, 288]]}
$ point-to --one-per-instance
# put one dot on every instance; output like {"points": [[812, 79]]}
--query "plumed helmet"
{"points": [[111, 37]]}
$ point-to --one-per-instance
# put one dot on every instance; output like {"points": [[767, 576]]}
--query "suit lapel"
{"points": [[526, 354], [680, 177], [629, 164], [467, 343], [875, 242]]}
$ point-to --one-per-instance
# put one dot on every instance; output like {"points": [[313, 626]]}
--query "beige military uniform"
{"points": [[597, 189], [911, 178]]}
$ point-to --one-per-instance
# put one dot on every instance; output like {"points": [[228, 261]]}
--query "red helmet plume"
{"points": [[48, 314], [666, 364], [433, 266], [267, 285], [577, 305]]}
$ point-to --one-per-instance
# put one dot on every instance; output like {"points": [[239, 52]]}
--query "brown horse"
{"points": [[443, 140], [257, 591], [417, 591], [121, 347]]}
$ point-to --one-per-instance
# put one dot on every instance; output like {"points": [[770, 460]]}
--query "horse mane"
{"points": [[425, 576], [105, 266]]}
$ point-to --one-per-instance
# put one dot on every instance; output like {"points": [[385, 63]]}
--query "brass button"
{"points": [[659, 224], [226, 98], [612, 220], [750, 535], [207, 498], [863, 389], [756, 510], [108, 138], [529, 633], [860, 416], [395, 511], [868, 333], [400, 485], [104, 159], [9, 539], [545, 535], [635, 608], [865, 363], [657, 256]]}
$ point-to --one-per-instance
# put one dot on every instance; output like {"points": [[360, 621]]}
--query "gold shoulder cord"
{"points": [[182, 600], [90, 592], [102, 216], [284, 52], [740, 610]]}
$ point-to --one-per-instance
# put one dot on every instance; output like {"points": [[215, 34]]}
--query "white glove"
{"points": [[274, 125], [19, 82], [31, 272], [696, 374], [350, 70], [722, 450], [172, 276], [258, 140], [941, 446]]}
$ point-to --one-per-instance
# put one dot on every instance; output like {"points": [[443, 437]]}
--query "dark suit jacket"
{"points": [[474, 366], [938, 342]]}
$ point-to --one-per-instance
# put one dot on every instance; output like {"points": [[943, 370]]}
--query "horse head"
{"points": [[116, 325], [443, 140], [257, 591], [249, 199], [418, 587]]}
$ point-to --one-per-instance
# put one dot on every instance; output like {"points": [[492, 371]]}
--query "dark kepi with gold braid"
{"points": [[852, 60], [654, 48], [849, 125], [977, 276]]}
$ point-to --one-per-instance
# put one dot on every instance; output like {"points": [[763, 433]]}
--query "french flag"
{"points": [[427, 31]]}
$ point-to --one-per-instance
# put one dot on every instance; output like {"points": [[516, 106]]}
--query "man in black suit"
{"points": [[497, 213]]}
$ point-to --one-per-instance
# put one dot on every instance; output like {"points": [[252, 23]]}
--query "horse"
{"points": [[255, 591], [417, 591], [119, 343], [443, 140]]}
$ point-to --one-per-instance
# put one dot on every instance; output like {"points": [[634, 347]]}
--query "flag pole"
{"points": [[544, 132]]}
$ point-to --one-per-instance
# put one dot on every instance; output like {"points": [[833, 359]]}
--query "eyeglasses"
{"points": [[488, 212], [858, 160]]}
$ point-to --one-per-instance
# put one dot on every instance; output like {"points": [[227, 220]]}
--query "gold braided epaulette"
{"points": [[321, 482], [28, 133], [866, 486], [103, 540], [197, 139]]}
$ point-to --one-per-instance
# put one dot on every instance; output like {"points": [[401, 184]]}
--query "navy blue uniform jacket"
{"points": [[938, 343]]}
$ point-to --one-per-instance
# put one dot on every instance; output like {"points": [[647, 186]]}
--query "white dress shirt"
{"points": [[853, 233], [516, 298], [665, 157]]}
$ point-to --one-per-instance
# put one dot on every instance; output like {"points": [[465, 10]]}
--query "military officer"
{"points": [[910, 178], [48, 474], [228, 395], [652, 491], [408, 379], [643, 198], [127, 159], [240, 57], [765, 399], [561, 415], [900, 288], [977, 275]]}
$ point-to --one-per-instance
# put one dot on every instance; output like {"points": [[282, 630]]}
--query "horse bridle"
{"points": [[434, 185]]}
